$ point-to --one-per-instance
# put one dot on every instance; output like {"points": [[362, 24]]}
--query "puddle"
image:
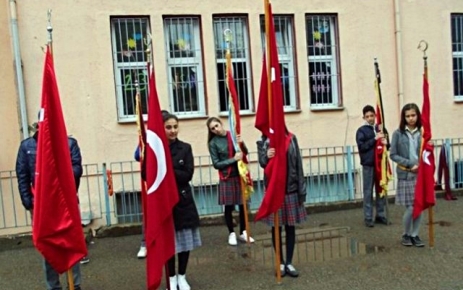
{"points": [[311, 246]]}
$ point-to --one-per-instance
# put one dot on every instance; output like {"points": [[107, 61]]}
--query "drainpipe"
{"points": [[399, 54], [18, 69]]}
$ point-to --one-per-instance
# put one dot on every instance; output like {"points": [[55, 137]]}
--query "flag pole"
{"points": [[70, 276], [423, 46], [384, 131], [276, 219], [148, 44], [227, 36]]}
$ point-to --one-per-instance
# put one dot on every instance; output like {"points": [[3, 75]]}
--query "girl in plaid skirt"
{"points": [[224, 159], [186, 217], [292, 211], [405, 147]]}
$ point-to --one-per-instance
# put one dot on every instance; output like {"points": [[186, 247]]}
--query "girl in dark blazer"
{"points": [[186, 217], [292, 211], [405, 150]]}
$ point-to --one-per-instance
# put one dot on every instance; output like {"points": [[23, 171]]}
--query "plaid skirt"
{"points": [[230, 191], [290, 213], [405, 192], [187, 240]]}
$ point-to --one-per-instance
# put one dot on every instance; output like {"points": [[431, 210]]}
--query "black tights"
{"points": [[229, 218], [290, 243], [182, 263]]}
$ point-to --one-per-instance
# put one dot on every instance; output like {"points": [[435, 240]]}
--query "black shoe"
{"points": [[382, 220], [406, 240], [416, 241], [291, 271], [369, 224]]}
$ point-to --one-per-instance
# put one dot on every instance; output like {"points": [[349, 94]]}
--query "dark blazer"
{"points": [[365, 138], [185, 211], [295, 181]]}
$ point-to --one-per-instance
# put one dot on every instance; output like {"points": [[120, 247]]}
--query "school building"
{"points": [[326, 51]]}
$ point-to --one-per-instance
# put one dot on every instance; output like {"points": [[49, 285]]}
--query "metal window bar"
{"points": [[239, 49], [457, 53], [184, 59], [129, 55], [284, 36], [322, 52]]}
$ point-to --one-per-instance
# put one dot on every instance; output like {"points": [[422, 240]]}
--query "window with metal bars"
{"points": [[457, 53], [184, 65], [286, 57], [128, 45], [323, 59], [239, 49]]}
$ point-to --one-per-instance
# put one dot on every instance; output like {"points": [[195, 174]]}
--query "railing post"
{"points": [[106, 196], [350, 172]]}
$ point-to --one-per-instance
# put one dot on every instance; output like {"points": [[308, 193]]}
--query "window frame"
{"points": [[288, 58], [195, 61], [246, 60], [136, 66], [457, 54], [333, 59]]}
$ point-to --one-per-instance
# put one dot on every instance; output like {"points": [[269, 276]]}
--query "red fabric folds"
{"points": [[57, 230]]}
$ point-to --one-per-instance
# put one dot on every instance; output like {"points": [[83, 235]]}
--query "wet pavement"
{"points": [[334, 251]]}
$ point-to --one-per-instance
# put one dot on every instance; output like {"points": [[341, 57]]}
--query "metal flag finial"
{"points": [[49, 27], [148, 39], [423, 46]]}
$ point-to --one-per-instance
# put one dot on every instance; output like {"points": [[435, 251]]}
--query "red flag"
{"points": [[270, 120], [424, 190], [57, 230], [161, 194]]}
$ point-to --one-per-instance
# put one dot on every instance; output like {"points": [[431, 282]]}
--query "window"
{"points": [[323, 59], [184, 66], [239, 49], [128, 43], [457, 52], [284, 36]]}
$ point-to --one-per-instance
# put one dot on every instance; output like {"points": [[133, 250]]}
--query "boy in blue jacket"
{"points": [[366, 141]]}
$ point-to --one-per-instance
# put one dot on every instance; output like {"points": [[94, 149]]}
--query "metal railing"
{"points": [[333, 174]]}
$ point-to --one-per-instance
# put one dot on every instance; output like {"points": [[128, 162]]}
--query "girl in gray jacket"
{"points": [[405, 148]]}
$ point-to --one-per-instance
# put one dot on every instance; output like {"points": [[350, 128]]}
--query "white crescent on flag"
{"points": [[426, 157], [155, 143]]}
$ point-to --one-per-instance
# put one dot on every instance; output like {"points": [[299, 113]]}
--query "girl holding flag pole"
{"points": [[292, 211], [225, 160]]}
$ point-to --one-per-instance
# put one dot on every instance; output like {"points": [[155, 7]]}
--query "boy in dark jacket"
{"points": [[366, 140], [25, 172]]}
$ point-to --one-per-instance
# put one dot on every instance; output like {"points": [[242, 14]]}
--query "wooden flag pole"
{"points": [[70, 276], [276, 219], [228, 37], [423, 46]]}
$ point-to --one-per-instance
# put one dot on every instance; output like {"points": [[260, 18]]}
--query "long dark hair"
{"points": [[169, 116], [403, 122], [211, 134]]}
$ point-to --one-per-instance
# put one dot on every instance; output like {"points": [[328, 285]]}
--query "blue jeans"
{"points": [[52, 277], [368, 184]]}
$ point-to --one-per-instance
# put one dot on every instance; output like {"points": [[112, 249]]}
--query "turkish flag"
{"points": [[161, 192], [424, 190], [57, 230], [270, 120]]}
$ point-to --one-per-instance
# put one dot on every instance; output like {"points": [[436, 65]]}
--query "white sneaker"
{"points": [[244, 237], [232, 239], [142, 252], [173, 281], [182, 283]]}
